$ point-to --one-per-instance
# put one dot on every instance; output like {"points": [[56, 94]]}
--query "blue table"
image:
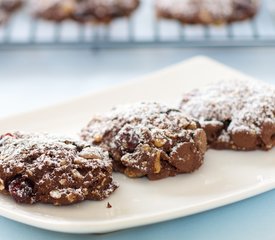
{"points": [[60, 75]]}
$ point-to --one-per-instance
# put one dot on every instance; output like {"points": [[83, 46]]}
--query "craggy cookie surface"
{"points": [[149, 139], [235, 114], [207, 11], [49, 169], [103, 11]]}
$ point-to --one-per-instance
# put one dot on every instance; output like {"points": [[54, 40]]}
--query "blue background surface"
{"points": [[253, 218]]}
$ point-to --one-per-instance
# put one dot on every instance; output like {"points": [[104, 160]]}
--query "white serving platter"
{"points": [[226, 176]]}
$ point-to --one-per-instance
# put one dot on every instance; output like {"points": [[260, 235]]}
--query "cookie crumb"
{"points": [[109, 205]]}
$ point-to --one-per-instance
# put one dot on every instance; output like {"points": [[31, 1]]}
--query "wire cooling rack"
{"points": [[141, 30]]}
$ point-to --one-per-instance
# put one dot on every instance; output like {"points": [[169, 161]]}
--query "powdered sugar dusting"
{"points": [[61, 170], [139, 120], [48, 149], [137, 135], [221, 8], [217, 10], [246, 104]]}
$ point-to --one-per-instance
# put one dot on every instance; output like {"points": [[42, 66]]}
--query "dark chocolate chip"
{"points": [[226, 123]]}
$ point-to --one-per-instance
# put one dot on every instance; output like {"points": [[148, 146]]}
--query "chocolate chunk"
{"points": [[268, 134], [213, 130], [183, 157]]}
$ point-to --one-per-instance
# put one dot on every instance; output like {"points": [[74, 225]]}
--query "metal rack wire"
{"points": [[142, 30]]}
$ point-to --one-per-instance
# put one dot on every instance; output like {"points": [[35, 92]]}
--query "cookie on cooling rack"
{"points": [[10, 5], [103, 11], [48, 169], [4, 16], [148, 139], [207, 11], [235, 114], [53, 10], [7, 7]]}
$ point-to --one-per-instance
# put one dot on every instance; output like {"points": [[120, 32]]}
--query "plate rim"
{"points": [[85, 227]]}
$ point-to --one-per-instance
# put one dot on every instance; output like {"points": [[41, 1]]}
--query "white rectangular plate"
{"points": [[225, 177]]}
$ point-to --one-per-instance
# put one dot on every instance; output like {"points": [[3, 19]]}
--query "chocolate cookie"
{"points": [[48, 169], [207, 11], [148, 139], [10, 5], [7, 7], [53, 10], [4, 16], [103, 11], [235, 114]]}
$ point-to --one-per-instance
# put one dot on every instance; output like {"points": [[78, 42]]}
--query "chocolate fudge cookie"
{"points": [[48, 169], [53, 10], [103, 11], [7, 7], [235, 114], [148, 139], [207, 11]]}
